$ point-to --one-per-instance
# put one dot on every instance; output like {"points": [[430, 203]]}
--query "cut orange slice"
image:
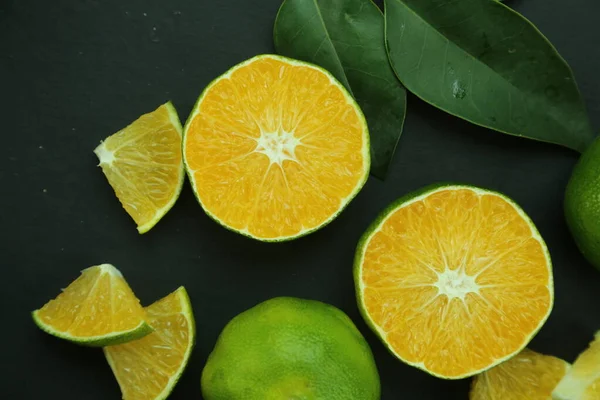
{"points": [[526, 376], [143, 164], [454, 279], [97, 309], [583, 381], [149, 368], [276, 148]]}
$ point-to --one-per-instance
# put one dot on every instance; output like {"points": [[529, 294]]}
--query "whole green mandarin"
{"points": [[582, 204], [291, 349]]}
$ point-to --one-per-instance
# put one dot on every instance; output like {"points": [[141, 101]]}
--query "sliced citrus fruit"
{"points": [[528, 375], [97, 309], [454, 279], [144, 166], [583, 380], [149, 368], [276, 148]]}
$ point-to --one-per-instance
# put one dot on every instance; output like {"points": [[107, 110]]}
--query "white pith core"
{"points": [[104, 155], [110, 269], [456, 283], [278, 146]]}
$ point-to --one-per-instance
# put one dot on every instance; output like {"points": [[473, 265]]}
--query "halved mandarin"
{"points": [[276, 148], [454, 279]]}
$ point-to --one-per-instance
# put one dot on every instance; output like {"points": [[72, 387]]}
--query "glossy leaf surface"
{"points": [[482, 61]]}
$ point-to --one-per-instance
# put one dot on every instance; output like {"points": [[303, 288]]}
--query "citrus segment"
{"points": [[454, 279], [143, 164], [149, 368], [528, 375], [275, 148], [97, 309], [583, 381]]}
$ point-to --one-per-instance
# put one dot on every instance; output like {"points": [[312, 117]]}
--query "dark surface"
{"points": [[73, 72]]}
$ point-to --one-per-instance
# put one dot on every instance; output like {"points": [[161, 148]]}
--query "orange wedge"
{"points": [[144, 166], [454, 279], [526, 376], [583, 381], [97, 309], [276, 148], [149, 368]]}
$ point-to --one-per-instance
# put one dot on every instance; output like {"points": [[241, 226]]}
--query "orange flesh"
{"points": [[528, 375], [588, 368], [144, 165], [96, 304], [262, 105], [583, 381], [144, 367], [592, 392], [495, 285]]}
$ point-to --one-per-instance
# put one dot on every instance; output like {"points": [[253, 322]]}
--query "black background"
{"points": [[73, 72]]}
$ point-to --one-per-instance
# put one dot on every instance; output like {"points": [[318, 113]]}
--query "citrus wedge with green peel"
{"points": [[275, 148], [526, 376], [97, 309], [143, 164], [149, 368], [454, 279], [583, 380]]}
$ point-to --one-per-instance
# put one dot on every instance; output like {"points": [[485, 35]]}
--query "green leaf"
{"points": [[346, 37], [482, 61]]}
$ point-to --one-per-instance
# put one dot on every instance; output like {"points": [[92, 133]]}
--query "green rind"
{"points": [[163, 211], [187, 311], [291, 348], [362, 243], [582, 204], [111, 339], [357, 189]]}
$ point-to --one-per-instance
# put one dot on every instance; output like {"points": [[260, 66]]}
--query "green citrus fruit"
{"points": [[288, 348], [582, 204]]}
